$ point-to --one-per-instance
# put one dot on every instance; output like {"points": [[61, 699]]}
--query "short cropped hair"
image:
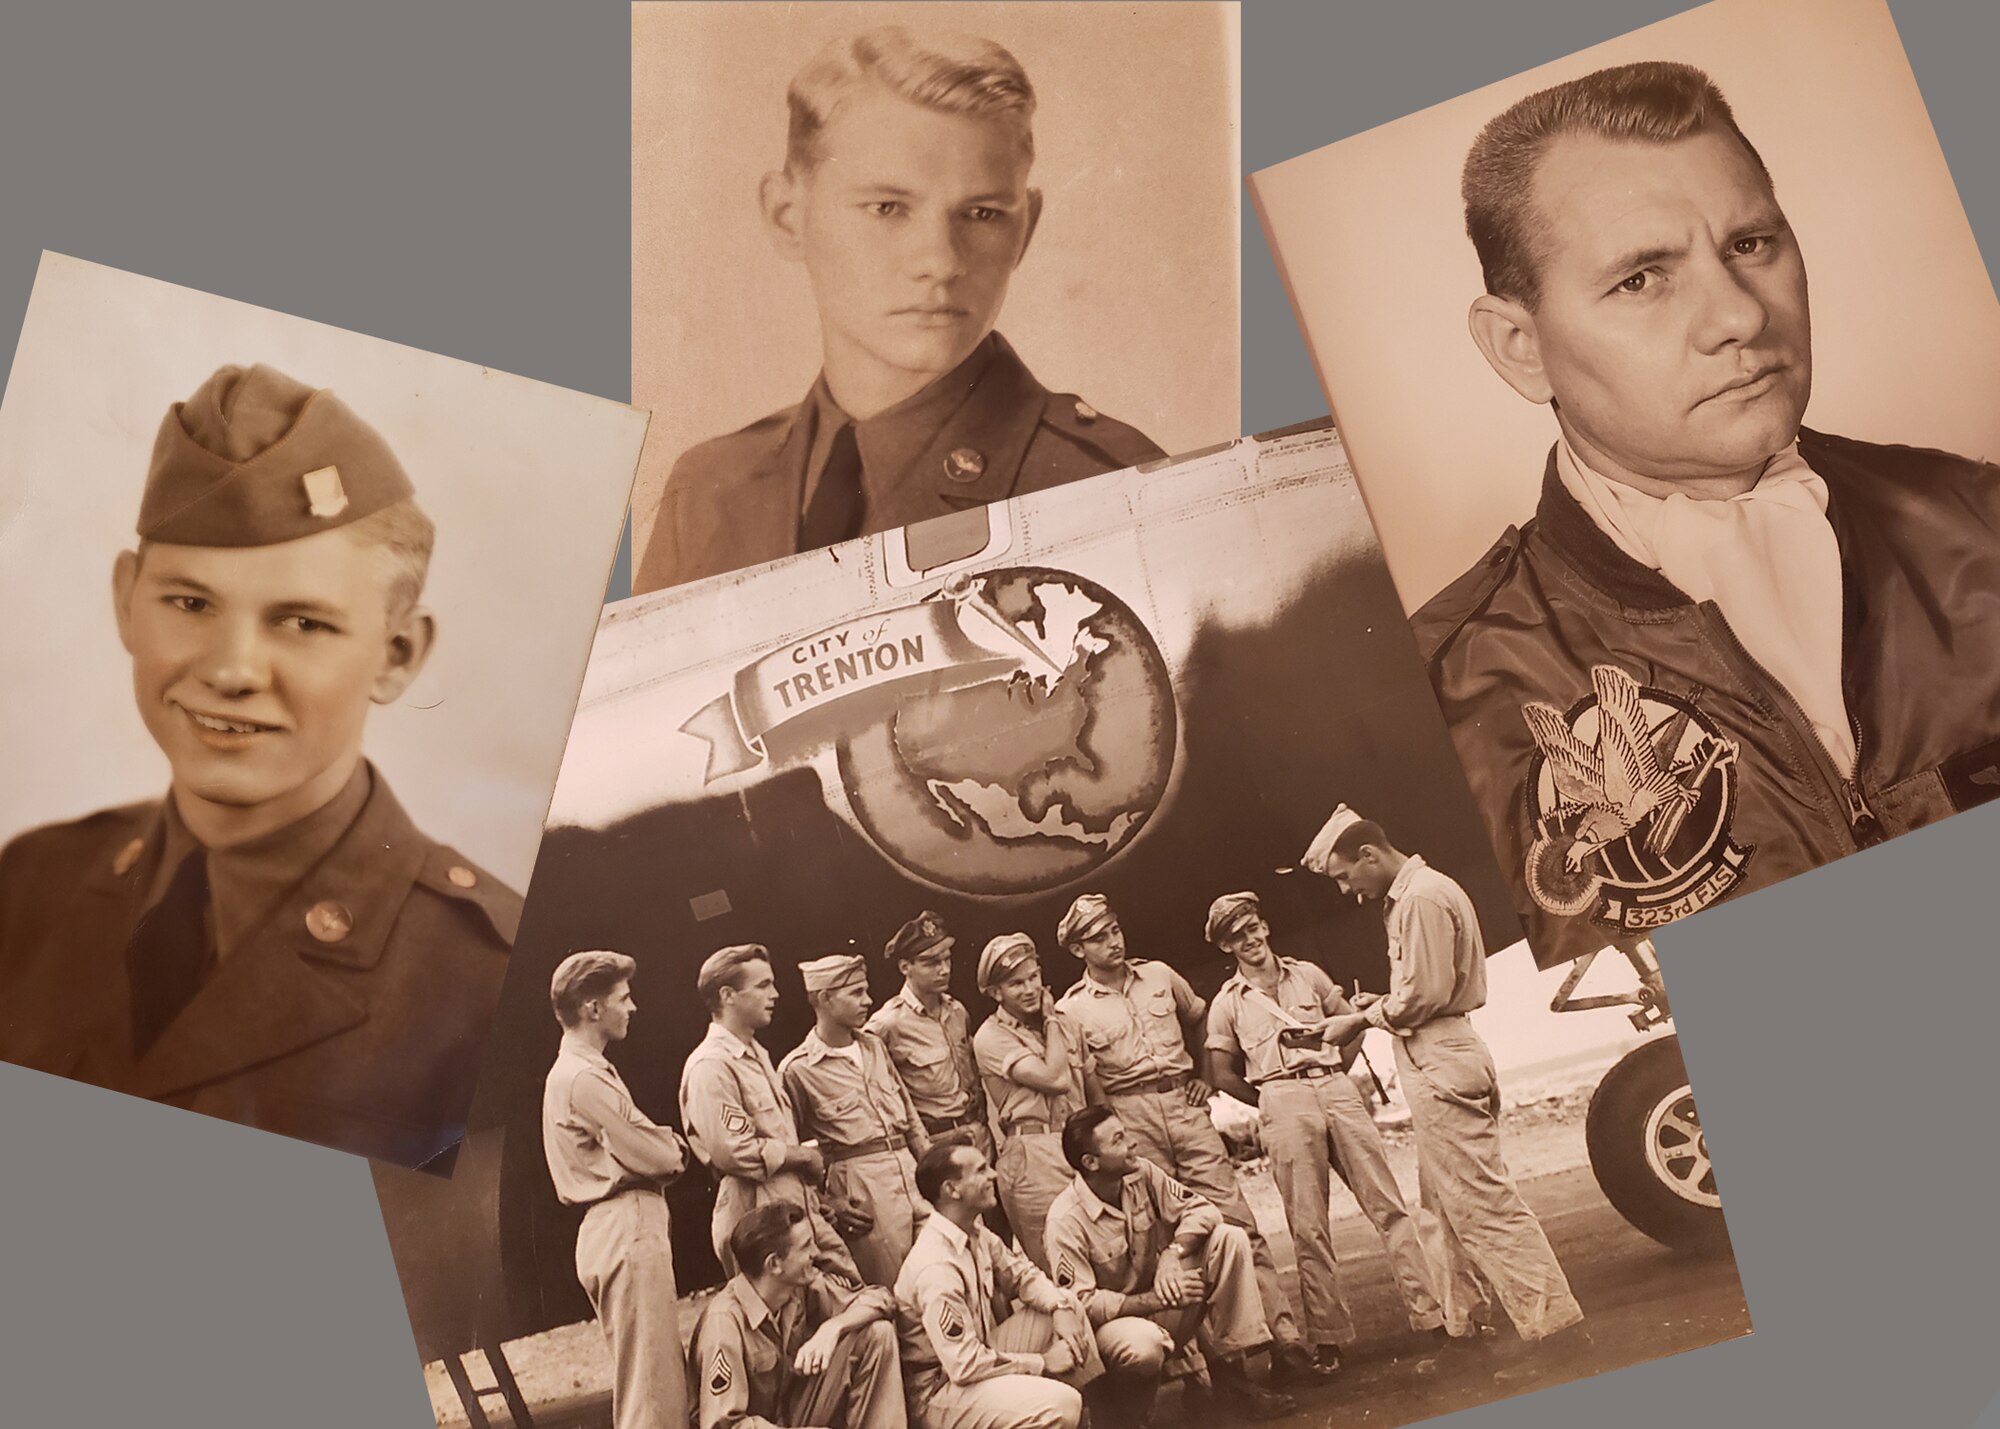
{"points": [[724, 968], [582, 976], [1349, 842], [937, 1166], [402, 534], [954, 74], [763, 1232], [1653, 102], [1079, 1137]]}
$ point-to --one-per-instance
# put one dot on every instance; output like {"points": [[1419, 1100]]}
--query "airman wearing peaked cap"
{"points": [[275, 942], [929, 1034]]}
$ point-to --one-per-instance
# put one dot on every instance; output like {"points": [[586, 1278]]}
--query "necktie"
{"points": [[834, 511], [168, 955]]}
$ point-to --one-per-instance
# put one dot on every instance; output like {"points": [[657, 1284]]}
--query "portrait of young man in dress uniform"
{"points": [[1726, 643], [274, 939], [910, 195]]}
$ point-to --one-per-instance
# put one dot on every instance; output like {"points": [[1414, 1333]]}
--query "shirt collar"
{"points": [[748, 1300], [729, 1042], [1096, 1208], [1400, 885], [576, 1047], [1007, 1019], [896, 436], [943, 1227]]}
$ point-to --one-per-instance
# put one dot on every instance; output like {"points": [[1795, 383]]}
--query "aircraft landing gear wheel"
{"points": [[1649, 1153]]}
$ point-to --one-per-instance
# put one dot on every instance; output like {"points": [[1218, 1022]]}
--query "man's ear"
{"points": [[1506, 334], [781, 199], [124, 576], [1034, 222], [409, 644]]}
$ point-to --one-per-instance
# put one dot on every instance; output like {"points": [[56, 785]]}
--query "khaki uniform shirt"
{"points": [[1244, 1019], [737, 1115], [932, 1052], [1104, 1253], [1133, 1034], [946, 1299], [743, 1354], [596, 1141], [844, 1105], [1437, 960], [1001, 1042]]}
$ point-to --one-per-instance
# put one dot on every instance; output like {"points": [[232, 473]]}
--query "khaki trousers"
{"points": [[860, 1388], [1015, 1401], [625, 1261], [884, 1183], [1485, 1231], [1032, 1174]]}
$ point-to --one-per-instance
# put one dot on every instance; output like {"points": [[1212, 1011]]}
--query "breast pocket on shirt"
{"points": [[929, 1071], [1161, 1018]]}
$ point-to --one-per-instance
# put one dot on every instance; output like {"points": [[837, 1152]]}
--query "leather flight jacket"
{"points": [[1679, 772]]}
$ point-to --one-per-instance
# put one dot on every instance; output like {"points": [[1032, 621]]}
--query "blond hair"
{"points": [[951, 73]]}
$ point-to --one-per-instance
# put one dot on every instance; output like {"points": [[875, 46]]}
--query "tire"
{"points": [[1648, 1152]]}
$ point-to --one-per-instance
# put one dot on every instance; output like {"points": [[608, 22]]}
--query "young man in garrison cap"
{"points": [[739, 1119], [1136, 1016], [1267, 1047], [1728, 648], [850, 1102], [274, 942], [785, 1343], [606, 1154], [905, 195], [1031, 1063], [1155, 1266], [929, 1035], [1485, 1237]]}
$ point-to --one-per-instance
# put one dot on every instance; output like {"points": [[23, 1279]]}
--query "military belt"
{"points": [[938, 1126], [1172, 1083], [1026, 1126], [1312, 1073], [832, 1154]]}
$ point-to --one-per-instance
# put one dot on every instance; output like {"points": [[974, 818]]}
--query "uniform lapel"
{"points": [[96, 1045], [285, 989], [755, 519], [994, 424]]}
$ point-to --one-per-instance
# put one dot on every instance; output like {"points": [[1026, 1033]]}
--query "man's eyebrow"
{"points": [[184, 584], [315, 609]]}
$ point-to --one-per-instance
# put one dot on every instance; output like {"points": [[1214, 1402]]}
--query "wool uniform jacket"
{"points": [[1634, 764], [353, 1016]]}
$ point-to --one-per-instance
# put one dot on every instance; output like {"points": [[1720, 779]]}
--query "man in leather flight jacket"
{"points": [[1727, 649]]}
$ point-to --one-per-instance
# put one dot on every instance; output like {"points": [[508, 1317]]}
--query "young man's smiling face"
{"points": [[254, 667], [1672, 330], [910, 225]]}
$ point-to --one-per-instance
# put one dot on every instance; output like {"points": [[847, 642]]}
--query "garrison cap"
{"points": [[1229, 911], [255, 458], [917, 937], [1086, 911], [837, 970], [1320, 851], [1002, 955]]}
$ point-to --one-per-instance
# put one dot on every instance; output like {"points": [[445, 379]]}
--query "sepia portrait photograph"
{"points": [[998, 975], [262, 855], [892, 261], [1667, 372]]}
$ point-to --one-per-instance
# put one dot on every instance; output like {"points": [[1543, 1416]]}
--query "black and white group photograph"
{"points": [[890, 261], [1705, 560], [263, 857], [962, 988]]}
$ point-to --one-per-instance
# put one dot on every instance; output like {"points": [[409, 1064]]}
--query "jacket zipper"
{"points": [[1862, 825]]}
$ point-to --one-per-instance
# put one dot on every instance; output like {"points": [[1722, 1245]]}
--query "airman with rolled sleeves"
{"points": [[274, 942], [849, 1101], [921, 409], [1485, 1235], [1155, 1266], [1136, 1016], [1266, 1047], [784, 1343], [975, 1358], [929, 1035], [739, 1120], [606, 1154], [1031, 1062]]}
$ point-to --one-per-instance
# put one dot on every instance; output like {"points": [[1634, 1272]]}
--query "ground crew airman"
{"points": [[739, 1120], [1136, 1015], [929, 1035], [848, 1100], [1437, 974], [784, 1343], [921, 409], [1031, 1062], [1264, 1047], [274, 942], [974, 1359], [1155, 1265], [604, 1153]]}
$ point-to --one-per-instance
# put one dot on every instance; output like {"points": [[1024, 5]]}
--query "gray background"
{"points": [[454, 177]]}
